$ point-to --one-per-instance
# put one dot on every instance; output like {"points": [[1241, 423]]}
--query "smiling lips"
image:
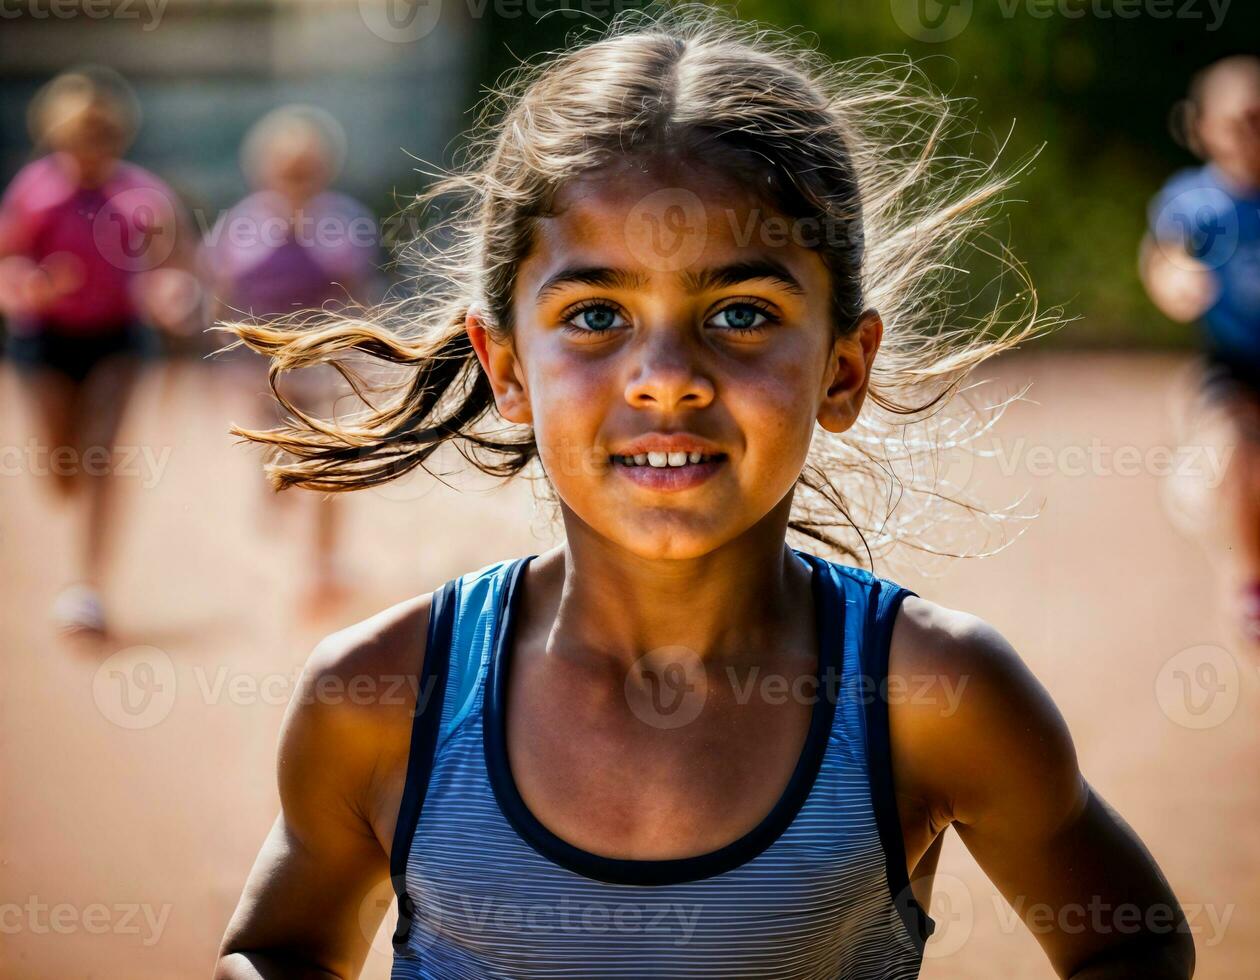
{"points": [[668, 461]]}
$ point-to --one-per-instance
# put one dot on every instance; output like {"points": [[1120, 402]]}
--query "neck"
{"points": [[740, 603], [89, 179], [1240, 185]]}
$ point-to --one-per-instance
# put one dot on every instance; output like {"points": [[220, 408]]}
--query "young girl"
{"points": [[90, 257], [674, 745]]}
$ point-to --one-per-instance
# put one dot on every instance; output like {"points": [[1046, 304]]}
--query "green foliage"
{"points": [[1086, 85]]}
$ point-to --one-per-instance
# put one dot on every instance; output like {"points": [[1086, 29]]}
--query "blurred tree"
{"points": [[1093, 80]]}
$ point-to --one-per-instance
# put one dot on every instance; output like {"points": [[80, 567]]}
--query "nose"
{"points": [[666, 376]]}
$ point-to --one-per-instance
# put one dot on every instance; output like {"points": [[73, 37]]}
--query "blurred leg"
{"points": [[327, 585], [105, 396], [328, 521], [51, 398], [1240, 496]]}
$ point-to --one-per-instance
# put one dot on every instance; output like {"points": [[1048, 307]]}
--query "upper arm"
{"points": [[306, 900], [1000, 762], [16, 223]]}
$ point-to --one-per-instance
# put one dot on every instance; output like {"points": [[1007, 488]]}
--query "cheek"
{"points": [[568, 400], [775, 399]]}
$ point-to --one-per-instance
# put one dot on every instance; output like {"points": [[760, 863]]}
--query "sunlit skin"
{"points": [[296, 164], [1227, 127], [705, 569], [669, 360]]}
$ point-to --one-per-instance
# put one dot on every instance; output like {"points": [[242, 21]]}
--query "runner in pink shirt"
{"points": [[89, 251]]}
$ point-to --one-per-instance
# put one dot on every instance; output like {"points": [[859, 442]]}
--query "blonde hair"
{"points": [[68, 97], [866, 146], [295, 121]]}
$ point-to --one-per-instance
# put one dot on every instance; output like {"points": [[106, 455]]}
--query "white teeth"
{"points": [[662, 460]]}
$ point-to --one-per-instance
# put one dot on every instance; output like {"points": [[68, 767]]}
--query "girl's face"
{"points": [[664, 313]]}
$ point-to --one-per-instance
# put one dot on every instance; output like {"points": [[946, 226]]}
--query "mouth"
{"points": [[668, 471]]}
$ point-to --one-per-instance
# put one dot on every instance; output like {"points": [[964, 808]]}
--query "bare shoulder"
{"points": [[352, 712], [934, 639], [363, 659], [975, 720]]}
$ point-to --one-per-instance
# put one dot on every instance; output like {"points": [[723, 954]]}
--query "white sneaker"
{"points": [[78, 609]]}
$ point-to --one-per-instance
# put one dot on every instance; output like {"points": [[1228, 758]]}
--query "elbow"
{"points": [[1147, 958], [241, 964]]}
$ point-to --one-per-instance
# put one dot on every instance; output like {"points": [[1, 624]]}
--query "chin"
{"points": [[675, 542]]}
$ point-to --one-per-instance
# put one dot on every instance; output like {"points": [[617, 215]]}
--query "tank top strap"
{"points": [[874, 603], [477, 597], [454, 666]]}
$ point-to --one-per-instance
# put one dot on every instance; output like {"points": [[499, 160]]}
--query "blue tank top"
{"points": [[1220, 227], [817, 889]]}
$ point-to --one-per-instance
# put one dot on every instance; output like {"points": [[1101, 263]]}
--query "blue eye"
{"points": [[596, 318], [742, 318]]}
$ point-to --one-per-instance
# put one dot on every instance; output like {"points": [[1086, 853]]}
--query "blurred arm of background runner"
{"points": [[27, 287], [172, 296], [1182, 287]]}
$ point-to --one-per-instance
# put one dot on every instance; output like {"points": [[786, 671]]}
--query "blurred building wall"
{"points": [[206, 69]]}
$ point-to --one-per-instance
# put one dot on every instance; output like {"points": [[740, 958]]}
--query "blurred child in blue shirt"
{"points": [[1201, 262]]}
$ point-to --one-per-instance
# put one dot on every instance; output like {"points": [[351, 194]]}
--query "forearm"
{"points": [[254, 965]]}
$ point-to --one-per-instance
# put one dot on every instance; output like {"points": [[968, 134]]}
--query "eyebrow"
{"points": [[718, 277]]}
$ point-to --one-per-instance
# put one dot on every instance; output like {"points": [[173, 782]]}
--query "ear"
{"points": [[849, 373], [1183, 120], [503, 368]]}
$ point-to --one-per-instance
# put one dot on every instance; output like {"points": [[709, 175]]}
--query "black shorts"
{"points": [[1233, 384], [75, 356]]}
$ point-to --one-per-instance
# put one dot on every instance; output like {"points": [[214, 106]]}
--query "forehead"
{"points": [[661, 218], [1231, 90]]}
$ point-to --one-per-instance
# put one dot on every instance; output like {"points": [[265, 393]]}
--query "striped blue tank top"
{"points": [[818, 889]]}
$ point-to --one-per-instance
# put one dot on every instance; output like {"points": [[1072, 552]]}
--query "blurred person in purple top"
{"points": [[294, 244], [93, 253]]}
